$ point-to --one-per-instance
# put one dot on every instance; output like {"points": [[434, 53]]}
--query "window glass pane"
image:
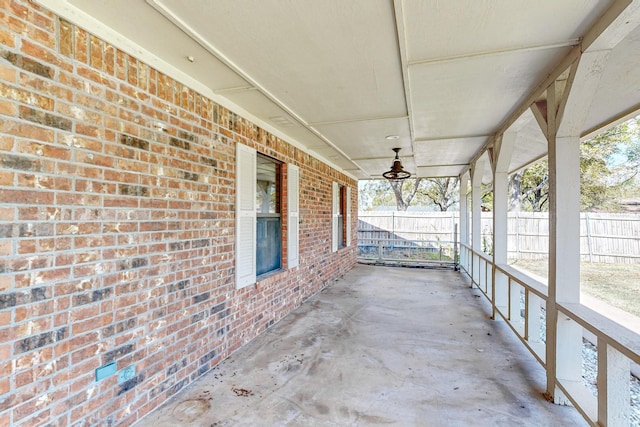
{"points": [[266, 186], [268, 226], [341, 203], [268, 245]]}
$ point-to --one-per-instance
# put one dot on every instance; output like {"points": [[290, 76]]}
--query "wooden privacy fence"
{"points": [[604, 237]]}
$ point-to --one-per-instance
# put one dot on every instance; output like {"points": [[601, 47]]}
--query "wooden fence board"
{"points": [[604, 237]]}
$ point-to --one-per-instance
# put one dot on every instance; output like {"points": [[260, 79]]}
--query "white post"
{"points": [[566, 108], [613, 387], [476, 215], [500, 289], [464, 219], [534, 322], [564, 336]]}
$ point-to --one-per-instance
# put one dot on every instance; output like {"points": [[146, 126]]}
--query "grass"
{"points": [[615, 284]]}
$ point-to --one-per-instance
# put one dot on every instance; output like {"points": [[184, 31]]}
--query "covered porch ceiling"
{"points": [[338, 77]]}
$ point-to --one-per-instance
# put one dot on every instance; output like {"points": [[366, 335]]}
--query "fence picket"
{"points": [[605, 237]]}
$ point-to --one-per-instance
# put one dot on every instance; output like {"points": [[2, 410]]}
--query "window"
{"points": [[341, 217], [259, 210], [341, 226], [268, 224]]}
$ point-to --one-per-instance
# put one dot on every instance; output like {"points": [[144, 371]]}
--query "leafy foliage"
{"points": [[404, 197], [441, 193], [609, 164], [530, 188]]}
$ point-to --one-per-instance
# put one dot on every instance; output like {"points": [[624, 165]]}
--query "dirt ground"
{"points": [[616, 284]]}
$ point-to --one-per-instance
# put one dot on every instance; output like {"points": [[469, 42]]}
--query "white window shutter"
{"points": [[293, 210], [348, 215], [336, 212], [245, 216]]}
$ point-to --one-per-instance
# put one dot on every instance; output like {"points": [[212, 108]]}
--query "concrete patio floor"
{"points": [[381, 346]]}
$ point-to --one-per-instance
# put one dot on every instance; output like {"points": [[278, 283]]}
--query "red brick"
{"points": [[96, 47], [8, 108], [7, 39], [6, 178], [79, 341], [30, 197], [5, 319], [27, 131], [6, 283], [81, 45], [41, 19], [66, 38], [33, 358], [6, 143], [31, 311], [93, 323], [109, 60], [39, 419], [171, 199], [5, 352]]}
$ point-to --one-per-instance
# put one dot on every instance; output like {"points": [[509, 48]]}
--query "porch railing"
{"points": [[405, 251], [523, 310]]}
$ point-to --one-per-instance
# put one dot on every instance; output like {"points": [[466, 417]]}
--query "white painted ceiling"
{"points": [[338, 76]]}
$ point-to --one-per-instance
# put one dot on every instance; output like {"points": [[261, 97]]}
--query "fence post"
{"points": [[588, 227], [453, 226], [455, 246], [393, 229], [380, 249], [517, 234]]}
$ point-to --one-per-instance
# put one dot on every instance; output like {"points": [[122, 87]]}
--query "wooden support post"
{"points": [[503, 152], [464, 220], [476, 214], [613, 387], [564, 336], [534, 322]]}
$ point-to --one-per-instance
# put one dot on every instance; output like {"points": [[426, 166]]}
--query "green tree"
{"points": [[404, 191], [609, 163], [627, 172], [441, 192], [530, 188]]}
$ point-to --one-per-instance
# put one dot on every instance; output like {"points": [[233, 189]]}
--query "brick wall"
{"points": [[117, 201]]}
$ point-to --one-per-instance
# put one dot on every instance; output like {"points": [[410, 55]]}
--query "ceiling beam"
{"points": [[361, 119], [448, 138], [236, 89], [503, 51], [402, 50], [613, 26], [453, 165], [389, 157]]}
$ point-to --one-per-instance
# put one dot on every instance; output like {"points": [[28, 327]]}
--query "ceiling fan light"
{"points": [[396, 172]]}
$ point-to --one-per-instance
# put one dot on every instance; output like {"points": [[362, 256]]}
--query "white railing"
{"points": [[521, 304], [406, 251]]}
